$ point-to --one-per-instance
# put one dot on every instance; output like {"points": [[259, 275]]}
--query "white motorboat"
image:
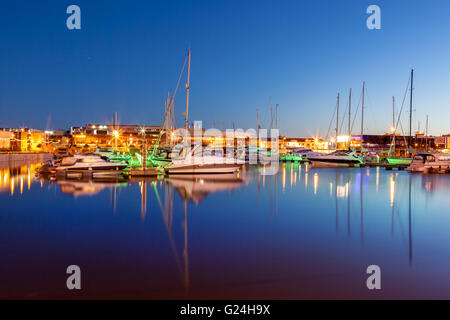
{"points": [[88, 162], [306, 153], [195, 161], [336, 159], [430, 163]]}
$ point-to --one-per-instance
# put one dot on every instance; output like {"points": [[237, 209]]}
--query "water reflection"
{"points": [[86, 188], [196, 187], [248, 226], [13, 176]]}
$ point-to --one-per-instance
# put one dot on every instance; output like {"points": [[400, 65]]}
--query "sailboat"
{"points": [[162, 156], [341, 158], [392, 160]]}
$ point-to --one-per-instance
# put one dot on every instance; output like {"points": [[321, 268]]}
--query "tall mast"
{"points": [[426, 135], [187, 89], [393, 113], [257, 119], [257, 129], [115, 132], [394, 129], [337, 119], [362, 116], [276, 117], [349, 116], [271, 117], [410, 108]]}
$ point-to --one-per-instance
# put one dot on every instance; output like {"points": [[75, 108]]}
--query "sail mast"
{"points": [[362, 116], [337, 119], [393, 113], [410, 108], [187, 89], [271, 116], [394, 129], [276, 116], [426, 135], [349, 116]]}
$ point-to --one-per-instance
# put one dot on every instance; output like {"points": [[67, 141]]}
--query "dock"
{"points": [[151, 172]]}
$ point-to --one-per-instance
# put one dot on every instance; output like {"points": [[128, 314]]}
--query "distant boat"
{"points": [[430, 163], [337, 159], [399, 160], [299, 154], [81, 162]]}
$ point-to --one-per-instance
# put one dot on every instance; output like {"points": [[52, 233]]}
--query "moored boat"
{"points": [[430, 163], [193, 161], [399, 160], [337, 159], [82, 163]]}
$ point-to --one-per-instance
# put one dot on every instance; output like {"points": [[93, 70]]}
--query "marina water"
{"points": [[302, 233]]}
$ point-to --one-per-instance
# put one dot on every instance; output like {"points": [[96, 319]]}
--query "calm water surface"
{"points": [[299, 234]]}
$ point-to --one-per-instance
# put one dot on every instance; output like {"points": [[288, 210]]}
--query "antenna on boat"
{"points": [[362, 116]]}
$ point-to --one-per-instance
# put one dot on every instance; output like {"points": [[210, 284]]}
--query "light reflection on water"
{"points": [[304, 233]]}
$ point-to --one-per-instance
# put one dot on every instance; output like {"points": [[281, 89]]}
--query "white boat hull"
{"points": [[325, 164]]}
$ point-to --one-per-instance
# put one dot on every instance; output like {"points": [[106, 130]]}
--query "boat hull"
{"points": [[110, 167], [333, 164], [399, 161]]}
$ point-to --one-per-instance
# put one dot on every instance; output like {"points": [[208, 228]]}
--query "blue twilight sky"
{"points": [[299, 53]]}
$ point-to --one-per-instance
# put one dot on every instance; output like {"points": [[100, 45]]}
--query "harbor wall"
{"points": [[10, 160]]}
